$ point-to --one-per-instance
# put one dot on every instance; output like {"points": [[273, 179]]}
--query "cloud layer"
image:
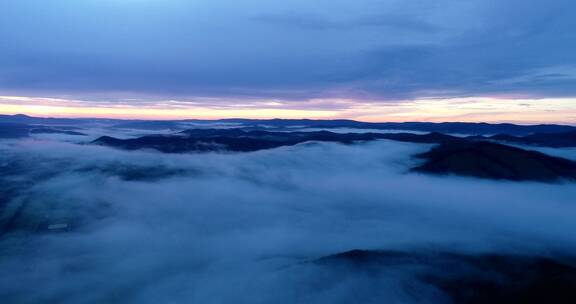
{"points": [[219, 228], [375, 49]]}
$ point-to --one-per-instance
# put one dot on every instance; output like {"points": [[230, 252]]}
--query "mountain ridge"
{"points": [[480, 128], [470, 157]]}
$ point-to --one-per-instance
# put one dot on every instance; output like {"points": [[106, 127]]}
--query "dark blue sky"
{"points": [[293, 50]]}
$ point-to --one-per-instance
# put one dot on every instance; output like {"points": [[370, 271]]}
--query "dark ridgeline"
{"points": [[48, 130], [237, 140], [472, 156], [19, 130], [555, 140], [464, 278], [495, 161], [444, 127], [293, 124]]}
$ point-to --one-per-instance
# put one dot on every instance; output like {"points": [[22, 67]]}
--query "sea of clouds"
{"points": [[89, 224]]}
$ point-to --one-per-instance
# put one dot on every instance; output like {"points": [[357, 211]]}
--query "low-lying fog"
{"points": [[88, 224]]}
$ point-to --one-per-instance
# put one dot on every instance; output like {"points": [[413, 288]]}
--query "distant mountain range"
{"points": [[18, 130], [468, 156], [291, 124], [556, 140], [245, 140], [25, 119], [238, 140], [482, 156]]}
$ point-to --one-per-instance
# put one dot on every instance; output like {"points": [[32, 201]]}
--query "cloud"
{"points": [[294, 50], [213, 228], [316, 22]]}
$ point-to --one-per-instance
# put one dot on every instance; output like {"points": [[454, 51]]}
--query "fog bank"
{"points": [[86, 224]]}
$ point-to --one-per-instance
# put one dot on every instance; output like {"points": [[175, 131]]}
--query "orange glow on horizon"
{"points": [[156, 114], [527, 111]]}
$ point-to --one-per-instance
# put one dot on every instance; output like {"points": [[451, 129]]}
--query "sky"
{"points": [[373, 60]]}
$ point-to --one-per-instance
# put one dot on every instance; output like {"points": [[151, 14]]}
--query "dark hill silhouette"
{"points": [[556, 140], [236, 140], [20, 130], [471, 279], [47, 130], [454, 155], [495, 161]]}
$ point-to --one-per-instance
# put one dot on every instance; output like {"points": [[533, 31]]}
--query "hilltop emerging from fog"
{"points": [[467, 149], [314, 211]]}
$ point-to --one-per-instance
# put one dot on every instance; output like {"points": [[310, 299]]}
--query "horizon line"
{"points": [[288, 119]]}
